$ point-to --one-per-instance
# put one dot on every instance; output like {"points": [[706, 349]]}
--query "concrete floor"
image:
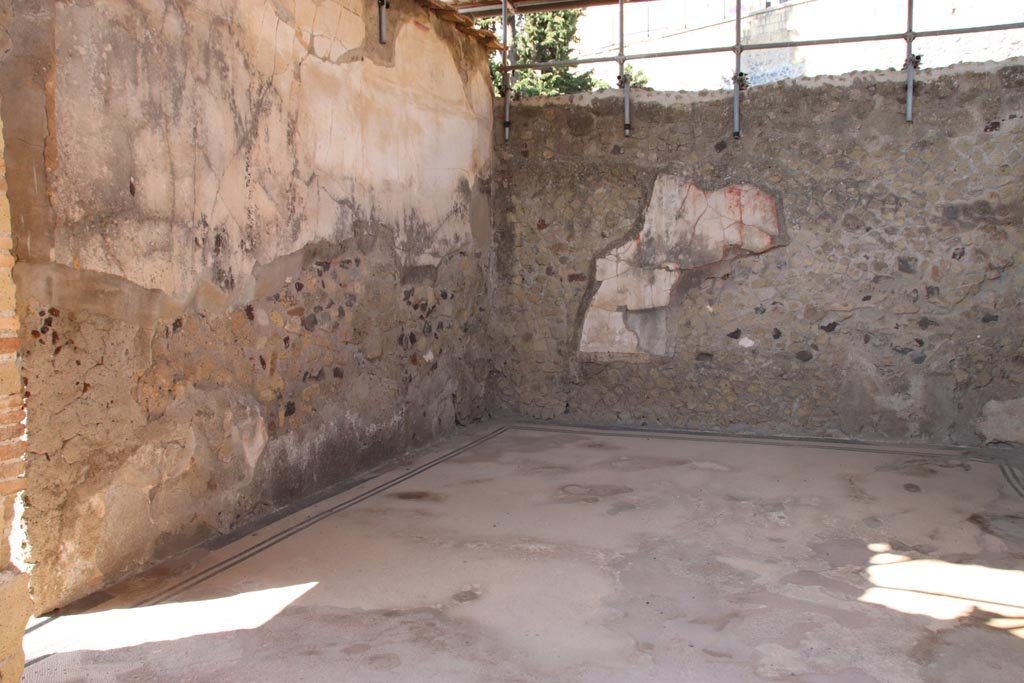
{"points": [[549, 553]]}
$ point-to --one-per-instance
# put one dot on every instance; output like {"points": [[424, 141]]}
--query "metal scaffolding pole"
{"points": [[627, 123], [737, 75], [506, 87], [739, 78], [382, 21], [770, 46], [513, 55], [911, 61]]}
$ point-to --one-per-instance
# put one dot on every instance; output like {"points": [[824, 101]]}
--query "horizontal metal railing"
{"points": [[509, 65]]}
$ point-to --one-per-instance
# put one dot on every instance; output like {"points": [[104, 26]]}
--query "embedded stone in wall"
{"points": [[1003, 421], [685, 228]]}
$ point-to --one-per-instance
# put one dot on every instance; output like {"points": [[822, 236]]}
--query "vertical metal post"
{"points": [[513, 55], [505, 85], [627, 119], [911, 61], [382, 21], [737, 75]]}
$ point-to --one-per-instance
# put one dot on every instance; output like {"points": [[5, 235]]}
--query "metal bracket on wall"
{"points": [[382, 21], [507, 69], [737, 75], [912, 65], [913, 61], [624, 80]]}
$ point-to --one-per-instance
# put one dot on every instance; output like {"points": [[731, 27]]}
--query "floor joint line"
{"points": [[238, 558]]}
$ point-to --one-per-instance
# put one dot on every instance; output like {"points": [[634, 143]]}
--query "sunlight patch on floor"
{"points": [[947, 591], [120, 628]]}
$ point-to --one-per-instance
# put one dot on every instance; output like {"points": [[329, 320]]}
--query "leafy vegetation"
{"points": [[549, 37]]}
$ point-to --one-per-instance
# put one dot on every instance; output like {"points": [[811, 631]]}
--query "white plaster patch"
{"points": [[606, 330], [1003, 421], [685, 227]]}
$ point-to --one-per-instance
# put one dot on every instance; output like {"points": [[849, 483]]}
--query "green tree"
{"points": [[549, 37], [544, 37], [637, 77]]}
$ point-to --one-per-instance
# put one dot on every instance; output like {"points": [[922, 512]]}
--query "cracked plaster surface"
{"points": [[259, 247], [685, 228], [245, 130]]}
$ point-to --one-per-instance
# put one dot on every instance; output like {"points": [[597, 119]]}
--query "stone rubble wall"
{"points": [[888, 308], [253, 251]]}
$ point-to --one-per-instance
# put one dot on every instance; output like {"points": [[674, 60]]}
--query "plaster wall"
{"points": [[253, 248]]}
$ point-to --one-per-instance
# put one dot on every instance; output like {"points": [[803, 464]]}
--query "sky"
{"points": [[662, 25]]}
